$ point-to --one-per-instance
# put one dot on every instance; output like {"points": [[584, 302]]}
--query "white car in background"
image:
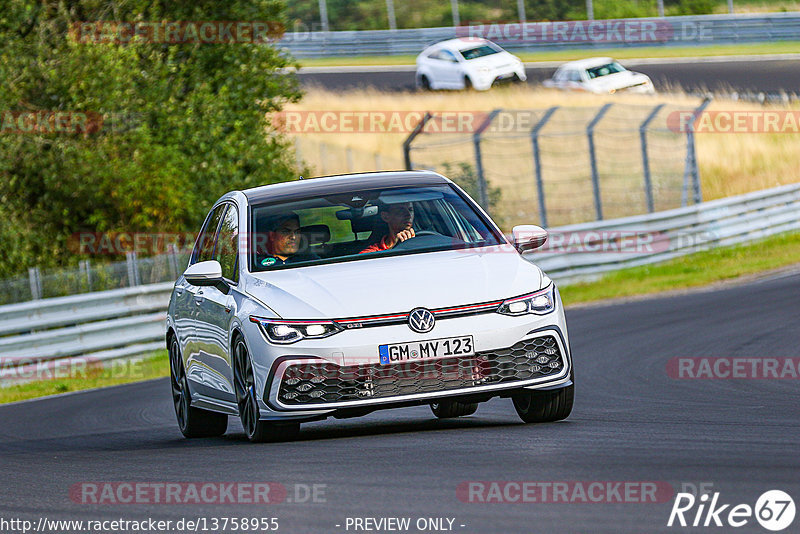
{"points": [[466, 63], [599, 75]]}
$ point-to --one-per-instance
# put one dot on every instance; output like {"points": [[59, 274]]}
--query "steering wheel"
{"points": [[422, 238]]}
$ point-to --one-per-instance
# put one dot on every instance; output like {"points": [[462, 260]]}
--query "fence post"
{"points": [[414, 133], [648, 185], [86, 269], [36, 282], [390, 12], [483, 192], [323, 14], [691, 160], [456, 15], [598, 204], [537, 163], [133, 269], [173, 262], [698, 190]]}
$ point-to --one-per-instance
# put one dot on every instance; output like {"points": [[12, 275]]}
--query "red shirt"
{"points": [[377, 246]]}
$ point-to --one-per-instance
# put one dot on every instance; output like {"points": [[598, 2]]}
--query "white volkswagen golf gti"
{"points": [[466, 63], [338, 296]]}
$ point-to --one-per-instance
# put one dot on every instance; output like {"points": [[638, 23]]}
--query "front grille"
{"points": [[321, 383]]}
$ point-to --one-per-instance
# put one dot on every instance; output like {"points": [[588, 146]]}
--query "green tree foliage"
{"points": [[466, 176], [181, 123]]}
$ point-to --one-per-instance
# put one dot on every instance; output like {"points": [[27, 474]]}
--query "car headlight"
{"points": [[285, 332], [540, 303]]}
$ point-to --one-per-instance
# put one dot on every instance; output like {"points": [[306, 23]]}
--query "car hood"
{"points": [[619, 80], [396, 284], [495, 61]]}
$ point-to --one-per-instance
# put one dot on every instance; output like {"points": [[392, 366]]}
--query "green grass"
{"points": [[700, 269], [114, 373], [785, 47]]}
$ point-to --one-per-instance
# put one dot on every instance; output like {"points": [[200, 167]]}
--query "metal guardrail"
{"points": [[666, 31], [664, 235], [126, 322]]}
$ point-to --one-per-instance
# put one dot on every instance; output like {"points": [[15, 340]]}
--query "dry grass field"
{"points": [[729, 163]]}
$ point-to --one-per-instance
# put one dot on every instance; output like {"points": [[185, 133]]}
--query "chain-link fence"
{"points": [[564, 165], [90, 277]]}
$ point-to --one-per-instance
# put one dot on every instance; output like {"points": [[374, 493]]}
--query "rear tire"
{"points": [[193, 422], [544, 406], [467, 83], [448, 409], [257, 431]]}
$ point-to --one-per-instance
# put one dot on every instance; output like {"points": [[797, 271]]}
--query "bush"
{"points": [[181, 123]]}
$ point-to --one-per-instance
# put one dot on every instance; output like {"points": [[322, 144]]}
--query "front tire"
{"points": [[544, 406], [424, 83], [467, 83], [193, 422], [448, 409], [244, 382]]}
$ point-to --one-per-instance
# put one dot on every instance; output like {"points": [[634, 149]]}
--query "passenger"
{"points": [[283, 241], [399, 218]]}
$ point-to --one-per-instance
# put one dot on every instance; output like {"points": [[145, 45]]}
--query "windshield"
{"points": [[365, 224], [604, 70], [479, 51]]}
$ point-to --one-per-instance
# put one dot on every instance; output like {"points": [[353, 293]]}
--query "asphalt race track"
{"points": [[751, 75], [631, 422]]}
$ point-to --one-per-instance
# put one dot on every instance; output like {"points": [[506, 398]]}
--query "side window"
{"points": [[575, 76], [447, 55], [204, 248], [226, 251]]}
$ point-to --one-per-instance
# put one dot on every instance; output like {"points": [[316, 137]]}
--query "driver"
{"points": [[399, 218], [283, 241]]}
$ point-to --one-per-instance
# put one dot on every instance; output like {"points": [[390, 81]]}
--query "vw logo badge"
{"points": [[421, 320]]}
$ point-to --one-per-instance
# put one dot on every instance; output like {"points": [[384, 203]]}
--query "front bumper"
{"points": [[498, 76], [303, 384], [352, 377]]}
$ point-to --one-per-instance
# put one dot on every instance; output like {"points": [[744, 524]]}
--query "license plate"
{"points": [[426, 350]]}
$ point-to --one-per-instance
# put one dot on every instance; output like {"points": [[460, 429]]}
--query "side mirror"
{"points": [[206, 273], [528, 237]]}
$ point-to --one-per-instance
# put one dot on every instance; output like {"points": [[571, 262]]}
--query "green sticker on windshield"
{"points": [[267, 262]]}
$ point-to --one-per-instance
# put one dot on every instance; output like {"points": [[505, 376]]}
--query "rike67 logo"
{"points": [[774, 510]]}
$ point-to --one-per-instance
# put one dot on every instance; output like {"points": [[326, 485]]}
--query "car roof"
{"points": [[344, 183], [587, 63], [460, 43]]}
